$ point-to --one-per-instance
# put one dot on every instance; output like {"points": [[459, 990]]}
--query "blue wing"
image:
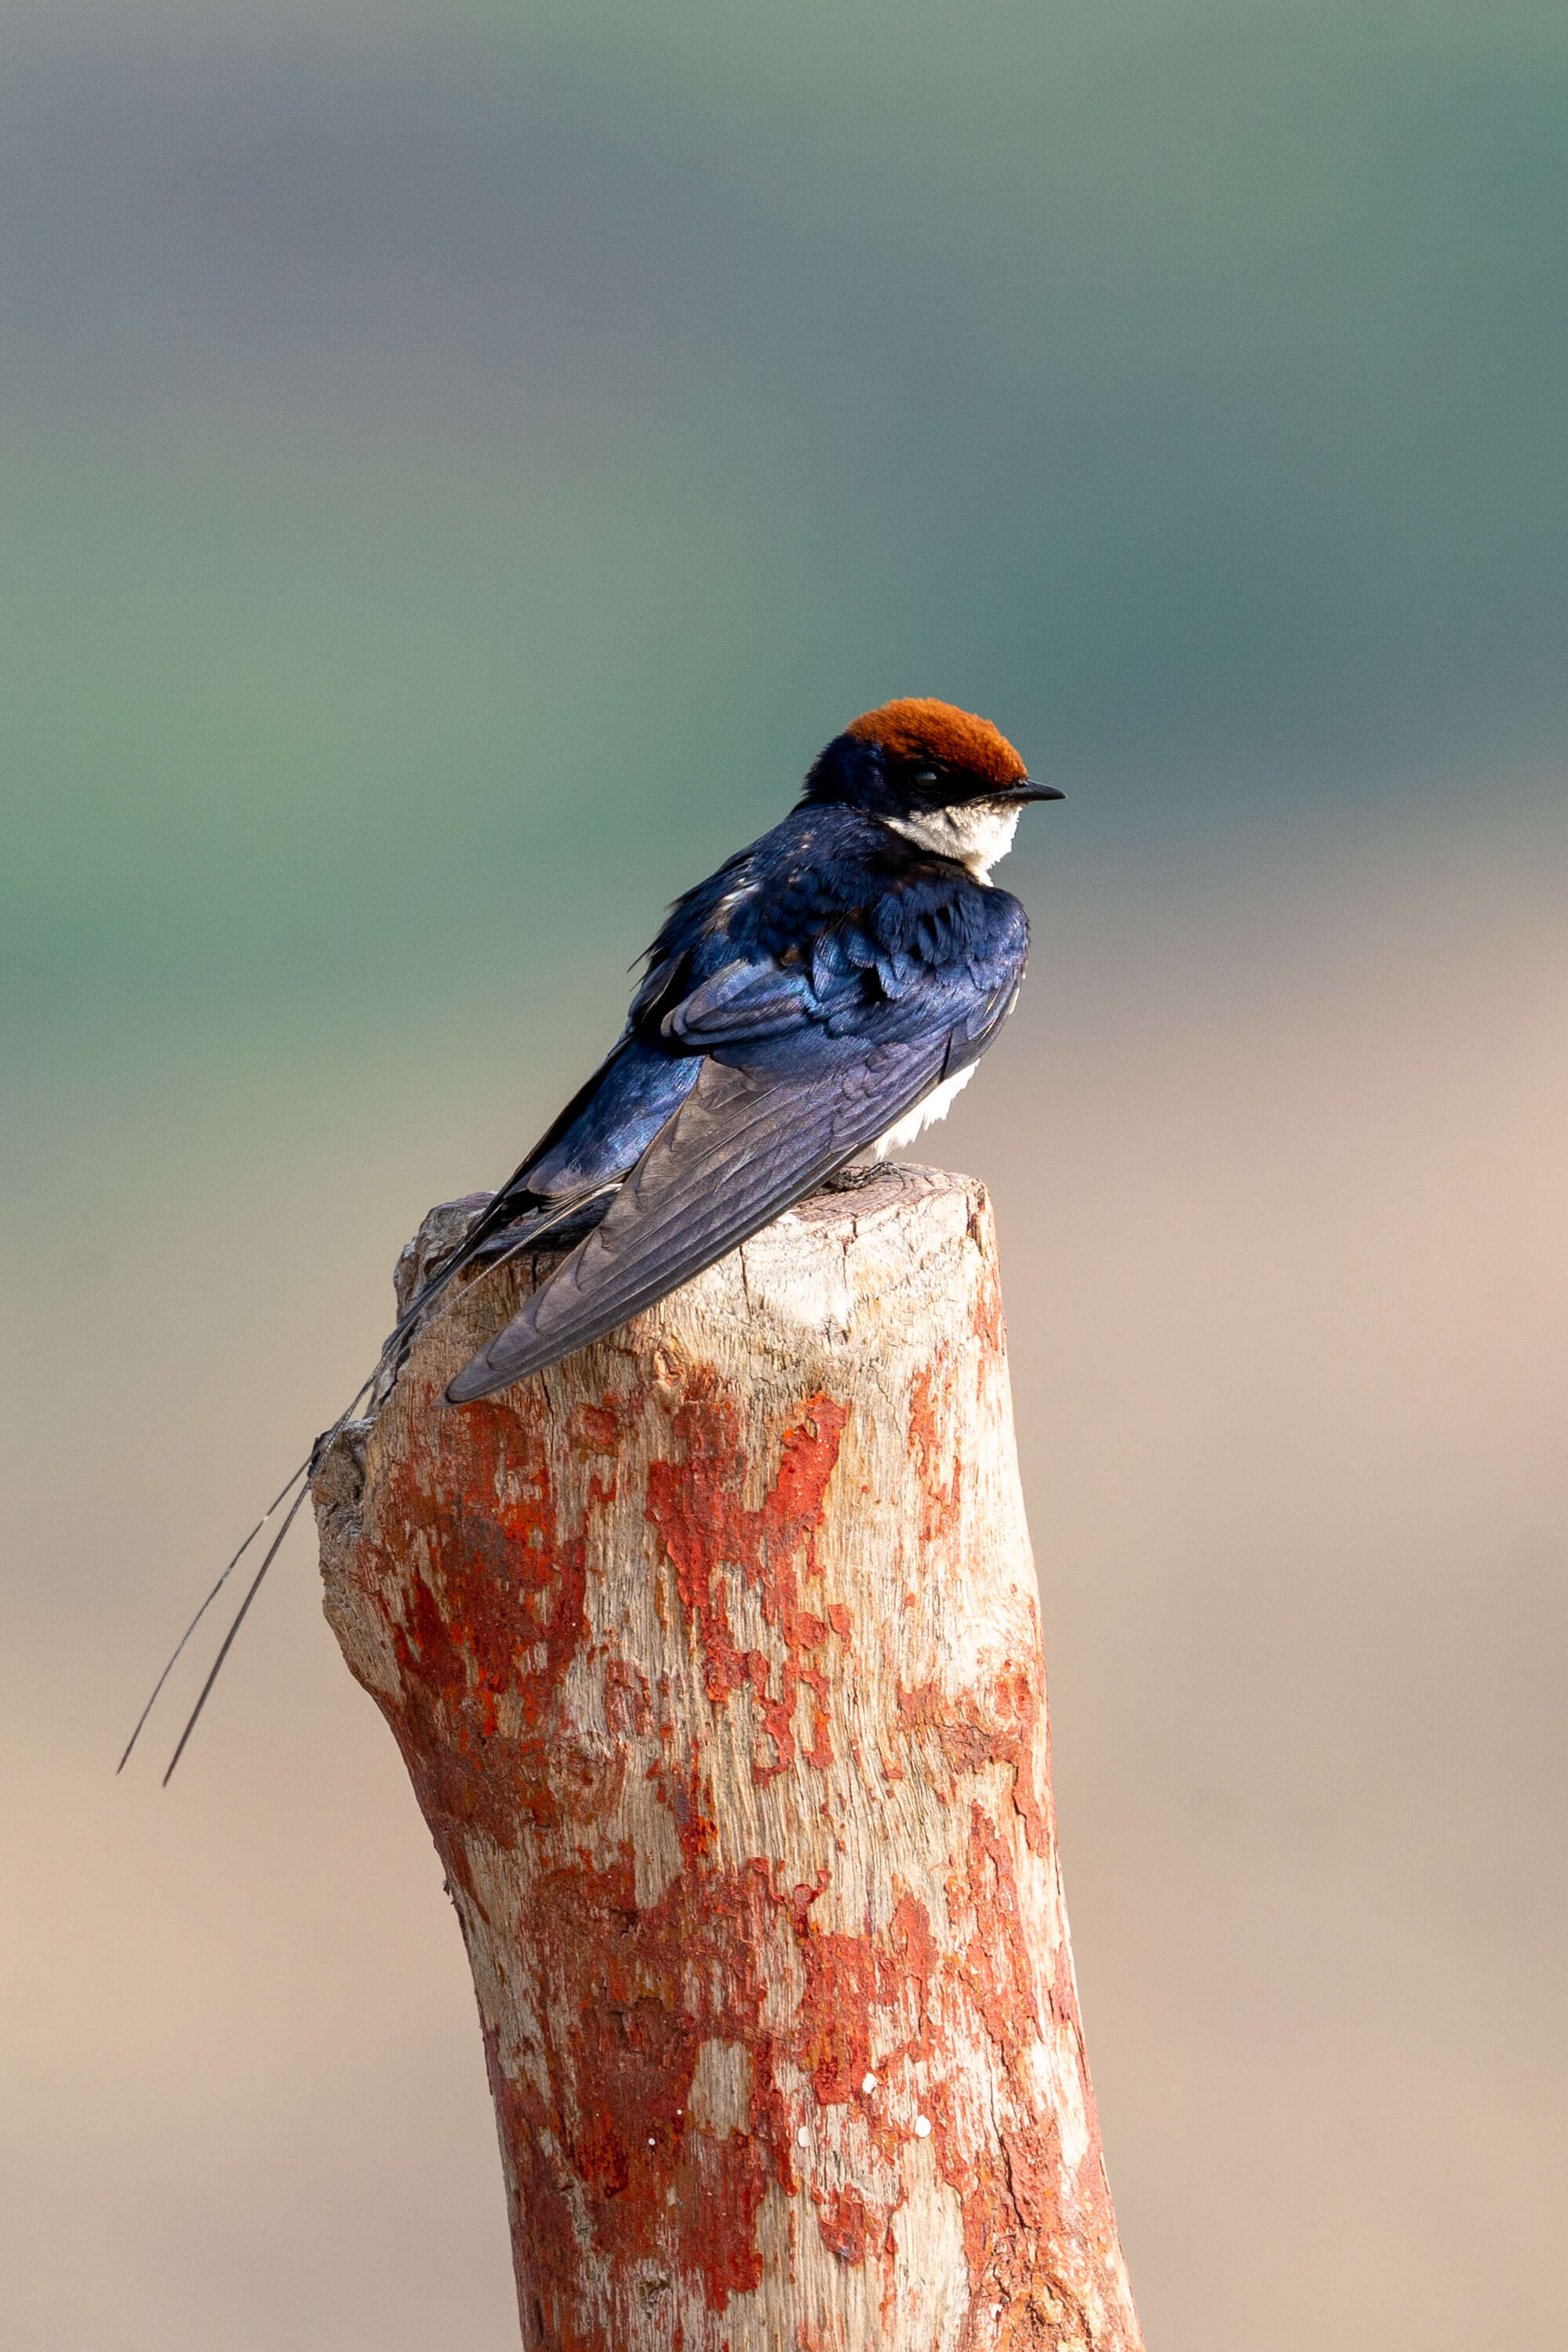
{"points": [[791, 1062]]}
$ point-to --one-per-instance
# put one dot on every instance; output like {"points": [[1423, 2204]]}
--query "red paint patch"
{"points": [[695, 1503], [1000, 1725], [849, 2228], [832, 2025], [939, 1497], [597, 2154], [599, 1428], [497, 1613], [690, 1800], [994, 1966]]}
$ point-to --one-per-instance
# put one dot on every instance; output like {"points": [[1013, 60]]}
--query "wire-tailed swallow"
{"points": [[826, 993]]}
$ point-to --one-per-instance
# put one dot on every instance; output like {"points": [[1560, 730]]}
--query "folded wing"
{"points": [[742, 1147], [801, 1061]]}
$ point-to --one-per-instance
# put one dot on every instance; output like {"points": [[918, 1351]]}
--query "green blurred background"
{"points": [[456, 465]]}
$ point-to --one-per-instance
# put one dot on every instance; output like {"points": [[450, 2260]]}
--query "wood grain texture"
{"points": [[713, 1657]]}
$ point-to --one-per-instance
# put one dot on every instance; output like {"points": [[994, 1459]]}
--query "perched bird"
{"points": [[826, 993]]}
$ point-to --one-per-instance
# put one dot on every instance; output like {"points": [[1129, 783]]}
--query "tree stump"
{"points": [[713, 1657]]}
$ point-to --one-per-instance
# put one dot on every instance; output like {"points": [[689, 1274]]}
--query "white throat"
{"points": [[977, 833]]}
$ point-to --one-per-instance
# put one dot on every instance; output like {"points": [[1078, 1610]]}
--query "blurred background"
{"points": [[458, 465]]}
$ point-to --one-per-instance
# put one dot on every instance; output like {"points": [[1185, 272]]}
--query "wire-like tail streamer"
{"points": [[206, 1604], [234, 1629], [487, 1224]]}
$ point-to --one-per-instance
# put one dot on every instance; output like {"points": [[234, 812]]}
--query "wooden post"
{"points": [[715, 1660]]}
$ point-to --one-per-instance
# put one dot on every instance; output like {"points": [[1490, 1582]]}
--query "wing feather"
{"points": [[742, 1147]]}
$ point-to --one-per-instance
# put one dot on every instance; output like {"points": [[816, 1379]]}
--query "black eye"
{"points": [[927, 778]]}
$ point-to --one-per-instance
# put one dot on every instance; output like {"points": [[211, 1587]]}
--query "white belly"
{"points": [[928, 1110]]}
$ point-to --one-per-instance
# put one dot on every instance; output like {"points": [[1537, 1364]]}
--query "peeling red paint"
{"points": [[939, 1496], [832, 2027], [690, 1800], [599, 1428], [498, 1615], [986, 1320], [995, 1963], [999, 1725], [694, 1502], [849, 2228], [647, 1988], [496, 1612]]}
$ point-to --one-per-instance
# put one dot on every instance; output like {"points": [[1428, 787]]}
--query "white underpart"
{"points": [[926, 1112], [978, 835]]}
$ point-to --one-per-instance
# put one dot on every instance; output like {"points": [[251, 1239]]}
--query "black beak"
{"points": [[1026, 789]]}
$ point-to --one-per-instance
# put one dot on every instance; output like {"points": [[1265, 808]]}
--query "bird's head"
{"points": [[944, 779]]}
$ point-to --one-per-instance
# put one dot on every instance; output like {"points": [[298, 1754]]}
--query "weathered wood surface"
{"points": [[713, 1657]]}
